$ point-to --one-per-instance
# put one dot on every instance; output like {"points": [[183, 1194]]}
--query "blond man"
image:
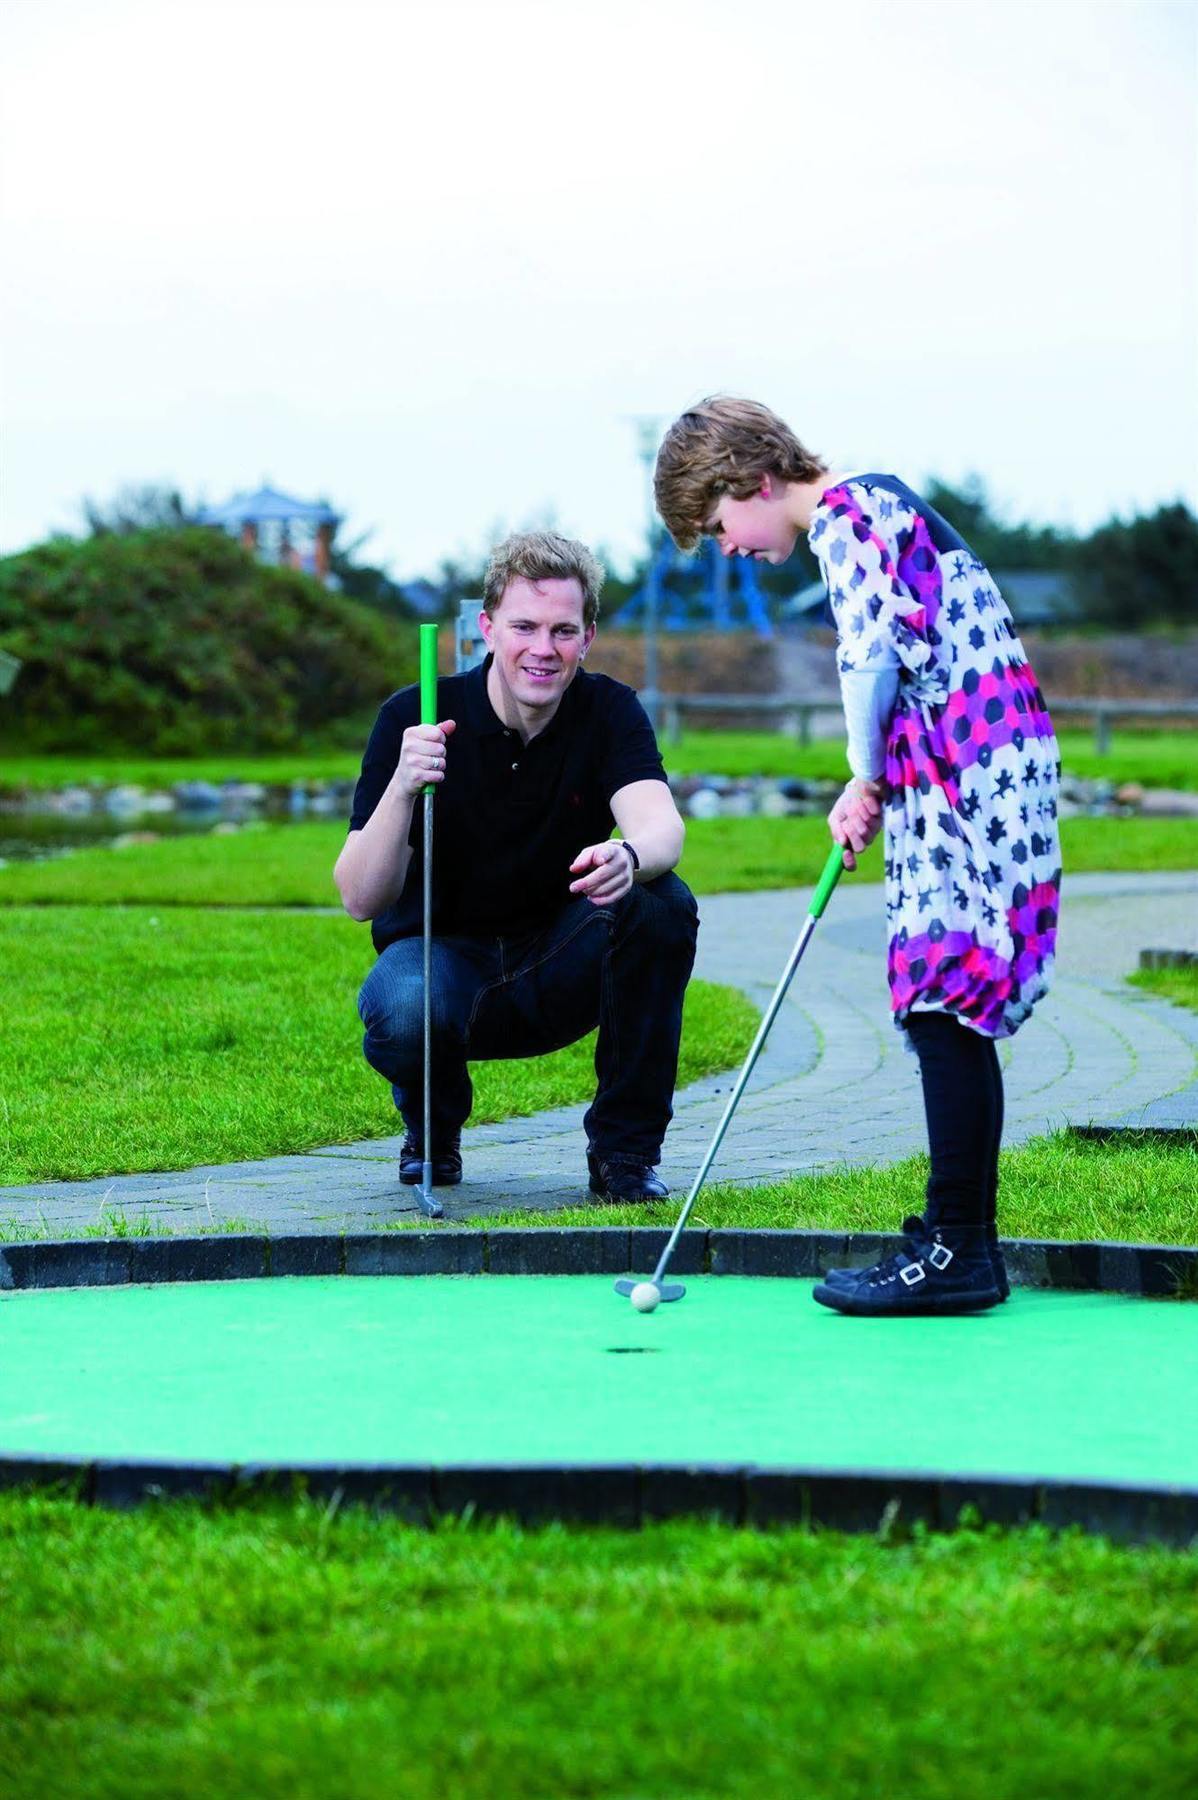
{"points": [[544, 926]]}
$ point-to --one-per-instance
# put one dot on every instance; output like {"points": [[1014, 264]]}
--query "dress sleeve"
{"points": [[869, 696], [878, 619]]}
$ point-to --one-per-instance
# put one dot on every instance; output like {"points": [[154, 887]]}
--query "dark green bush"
{"points": [[1144, 572], [179, 641]]}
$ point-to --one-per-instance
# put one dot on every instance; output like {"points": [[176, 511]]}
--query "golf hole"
{"points": [[633, 1349]]}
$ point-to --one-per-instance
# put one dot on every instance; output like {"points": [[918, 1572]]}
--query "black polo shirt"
{"points": [[510, 816]]}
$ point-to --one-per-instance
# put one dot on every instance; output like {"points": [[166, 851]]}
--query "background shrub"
{"points": [[179, 641]]}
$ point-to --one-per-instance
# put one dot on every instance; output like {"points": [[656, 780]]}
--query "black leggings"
{"points": [[962, 1096]]}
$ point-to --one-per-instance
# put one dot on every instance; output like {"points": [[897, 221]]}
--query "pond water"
{"points": [[37, 826]]}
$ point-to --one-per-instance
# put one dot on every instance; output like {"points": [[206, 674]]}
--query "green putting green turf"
{"points": [[449, 1369]]}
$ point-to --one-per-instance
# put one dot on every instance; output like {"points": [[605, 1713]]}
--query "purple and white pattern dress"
{"points": [[973, 864]]}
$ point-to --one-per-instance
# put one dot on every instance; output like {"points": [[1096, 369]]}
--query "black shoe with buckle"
{"points": [[620, 1183], [998, 1267], [447, 1161], [947, 1271]]}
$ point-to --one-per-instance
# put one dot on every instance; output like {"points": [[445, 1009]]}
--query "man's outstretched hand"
{"points": [[604, 871]]}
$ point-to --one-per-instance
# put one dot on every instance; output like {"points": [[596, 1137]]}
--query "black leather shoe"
{"points": [[847, 1278], [624, 1183], [447, 1162], [948, 1271]]}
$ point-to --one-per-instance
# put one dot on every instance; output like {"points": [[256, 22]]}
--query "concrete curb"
{"points": [[632, 1495], [1152, 1271]]}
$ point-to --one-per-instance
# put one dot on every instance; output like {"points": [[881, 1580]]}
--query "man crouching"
{"points": [[544, 926]]}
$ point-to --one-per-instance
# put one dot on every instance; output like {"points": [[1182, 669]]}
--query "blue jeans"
{"points": [[623, 968]]}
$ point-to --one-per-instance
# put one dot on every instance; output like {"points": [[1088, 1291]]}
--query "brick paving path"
{"points": [[833, 1086]]}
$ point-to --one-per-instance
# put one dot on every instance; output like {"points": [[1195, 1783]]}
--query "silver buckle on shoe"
{"points": [[912, 1273], [940, 1256]]}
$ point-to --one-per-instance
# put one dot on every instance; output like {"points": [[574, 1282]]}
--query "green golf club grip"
{"points": [[827, 881], [428, 674], [428, 681]]}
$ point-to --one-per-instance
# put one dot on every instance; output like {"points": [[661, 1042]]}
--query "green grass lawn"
{"points": [[161, 1041], [286, 1648], [1053, 1187], [1178, 985], [291, 865], [1154, 758]]}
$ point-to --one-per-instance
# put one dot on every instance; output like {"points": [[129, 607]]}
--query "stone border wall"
{"points": [[1154, 1271], [630, 1495]]}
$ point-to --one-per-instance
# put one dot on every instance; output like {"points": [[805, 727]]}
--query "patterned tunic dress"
{"points": [[973, 866]]}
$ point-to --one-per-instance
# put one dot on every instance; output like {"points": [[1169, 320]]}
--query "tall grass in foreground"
{"points": [[291, 1649]]}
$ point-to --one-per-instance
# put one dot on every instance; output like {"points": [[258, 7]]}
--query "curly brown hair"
{"points": [[543, 556], [723, 446]]}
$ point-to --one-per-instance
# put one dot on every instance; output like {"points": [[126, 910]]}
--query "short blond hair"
{"points": [[723, 446], [543, 556]]}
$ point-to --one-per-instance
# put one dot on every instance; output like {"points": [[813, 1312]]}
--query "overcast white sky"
{"points": [[428, 259]]}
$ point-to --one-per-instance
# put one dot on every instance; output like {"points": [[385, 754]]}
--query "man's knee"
{"points": [[391, 1002], [666, 911]]}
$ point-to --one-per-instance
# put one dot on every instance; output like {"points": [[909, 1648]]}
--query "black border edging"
{"points": [[631, 1495], [1148, 1133], [1153, 1271]]}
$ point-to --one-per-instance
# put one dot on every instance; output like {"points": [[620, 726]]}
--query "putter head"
{"points": [[430, 1206], [669, 1290]]}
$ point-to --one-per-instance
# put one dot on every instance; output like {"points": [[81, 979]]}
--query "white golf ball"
{"points": [[645, 1296]]}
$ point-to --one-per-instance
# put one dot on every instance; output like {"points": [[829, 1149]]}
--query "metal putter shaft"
{"points": [[429, 1204], [674, 1290]]}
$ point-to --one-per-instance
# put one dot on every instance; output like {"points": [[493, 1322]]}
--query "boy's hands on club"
{"points": [[856, 818], [422, 756], [605, 871]]}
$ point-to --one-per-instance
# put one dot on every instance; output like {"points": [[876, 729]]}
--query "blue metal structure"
{"points": [[729, 594], [267, 505], [268, 524]]}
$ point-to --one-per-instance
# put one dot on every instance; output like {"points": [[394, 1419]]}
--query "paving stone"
{"points": [[405, 1492], [68, 1478], [600, 1250], [647, 1242], [126, 1484], [75, 1262], [306, 1253], [995, 1502], [715, 1491], [862, 1502], [416, 1253], [196, 1259], [1127, 1515], [606, 1494], [757, 1252]]}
